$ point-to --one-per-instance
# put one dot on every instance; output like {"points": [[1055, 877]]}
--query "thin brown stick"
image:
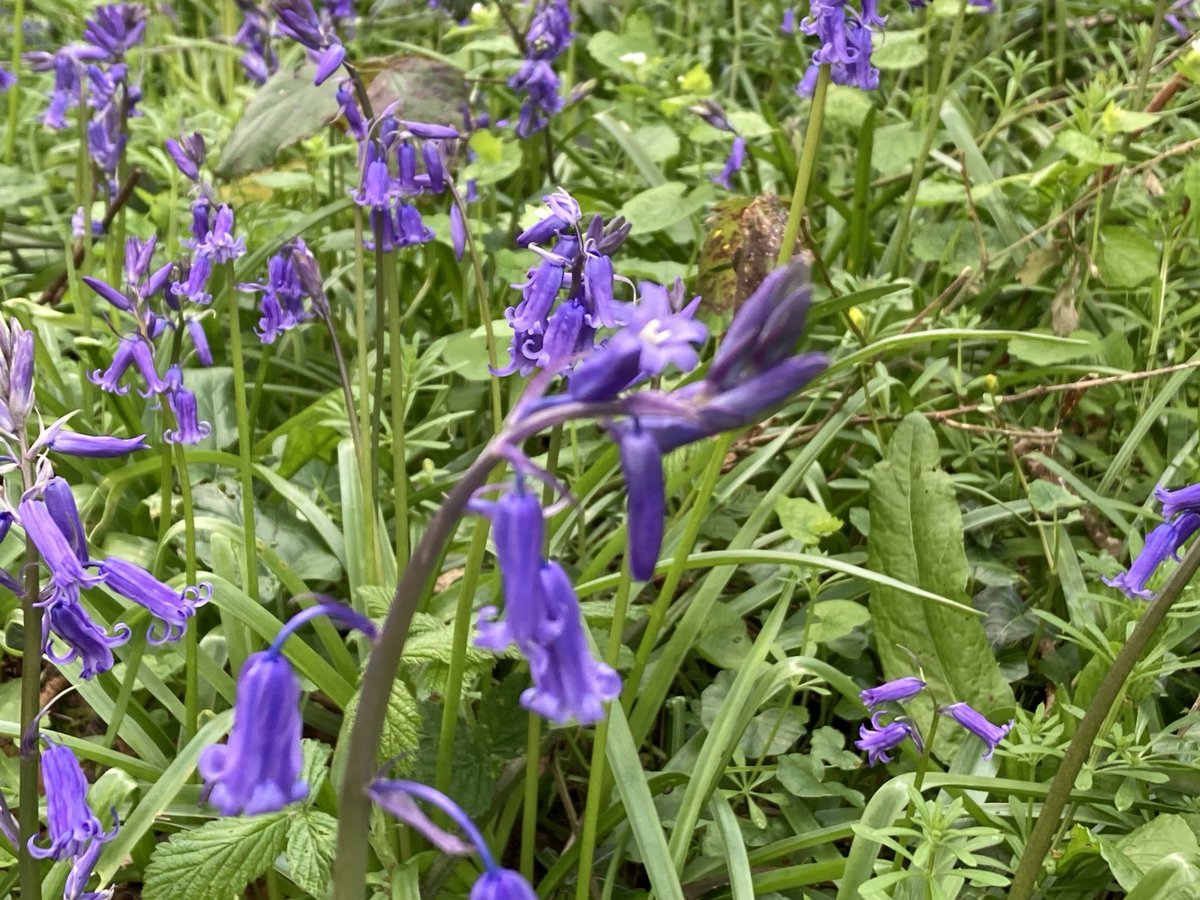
{"points": [[56, 290]]}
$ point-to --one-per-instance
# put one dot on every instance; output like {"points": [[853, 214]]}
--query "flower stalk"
{"points": [[806, 166]]}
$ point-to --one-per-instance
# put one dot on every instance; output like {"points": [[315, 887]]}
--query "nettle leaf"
{"points": [[216, 860], [314, 768], [288, 108], [427, 655], [916, 537], [401, 732], [805, 521], [309, 854]]}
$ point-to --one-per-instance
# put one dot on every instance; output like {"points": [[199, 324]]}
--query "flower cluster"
{"points": [[47, 514], [542, 617], [292, 278], [400, 799], [259, 61], [75, 832], [96, 69], [316, 33], [578, 265], [405, 161], [846, 39], [880, 738], [258, 770], [136, 348], [1181, 509], [547, 38]]}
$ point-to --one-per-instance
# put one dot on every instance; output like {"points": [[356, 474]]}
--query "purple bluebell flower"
{"points": [[72, 824], [518, 530], [1161, 544], [115, 28], [131, 351], [430, 130], [254, 36], [1181, 500], [539, 292], [733, 165], [714, 114], [548, 36], [299, 21], [355, 121], [188, 153], [85, 640], [16, 378], [195, 329], [169, 607], [190, 428], [60, 503], [194, 288], [568, 682], [219, 244], [845, 47], [974, 722], [892, 692], [7, 80], [567, 337], [788, 24], [400, 799], [641, 464], [458, 231], [95, 446], [329, 61], [258, 771], [879, 740], [81, 871], [67, 573], [77, 225]]}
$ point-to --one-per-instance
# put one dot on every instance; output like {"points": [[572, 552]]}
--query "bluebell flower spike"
{"points": [[72, 823], [976, 723], [896, 691]]}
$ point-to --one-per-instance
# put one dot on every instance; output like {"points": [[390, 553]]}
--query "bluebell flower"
{"points": [[788, 24], [356, 123], [399, 798], [299, 21], [188, 153], [116, 28], [733, 164], [645, 490], [518, 530], [77, 225], [81, 871], [548, 36], [67, 573], [258, 770], [879, 740], [60, 503], [569, 683], [85, 639], [194, 287], [219, 244], [132, 352], [254, 36], [7, 80], [895, 691], [95, 446], [978, 725], [169, 608], [1181, 500], [72, 824], [1161, 544]]}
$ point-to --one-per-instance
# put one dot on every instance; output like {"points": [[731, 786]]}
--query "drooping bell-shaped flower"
{"points": [[1162, 543], [85, 639], [896, 691], [879, 740], [67, 573], [641, 463], [72, 824], [976, 723], [170, 608]]}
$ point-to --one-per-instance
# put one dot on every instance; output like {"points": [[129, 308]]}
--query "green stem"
{"points": [[529, 794], [1038, 847], [191, 636], [805, 168], [245, 437], [133, 664], [893, 256], [595, 789], [31, 687], [364, 388], [399, 407], [14, 93]]}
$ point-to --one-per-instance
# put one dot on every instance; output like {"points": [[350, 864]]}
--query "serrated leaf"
{"points": [[805, 521], [427, 655], [314, 768], [288, 108], [216, 860], [916, 537], [401, 732], [309, 854]]}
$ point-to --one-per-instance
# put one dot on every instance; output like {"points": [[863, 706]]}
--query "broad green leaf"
{"points": [[417, 88], [288, 108], [916, 537], [1127, 257], [900, 50], [805, 522], [661, 207], [216, 860], [1148, 844], [401, 731], [1040, 348], [495, 159], [622, 53], [309, 853], [835, 618]]}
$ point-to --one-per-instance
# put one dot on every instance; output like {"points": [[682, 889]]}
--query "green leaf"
{"points": [[314, 768], [916, 537], [622, 53], [1049, 498], [805, 521], [901, 50], [1126, 258], [1161, 836], [495, 159], [773, 731], [418, 88], [288, 108], [835, 618], [661, 207], [401, 731], [216, 860], [1041, 348], [309, 854]]}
